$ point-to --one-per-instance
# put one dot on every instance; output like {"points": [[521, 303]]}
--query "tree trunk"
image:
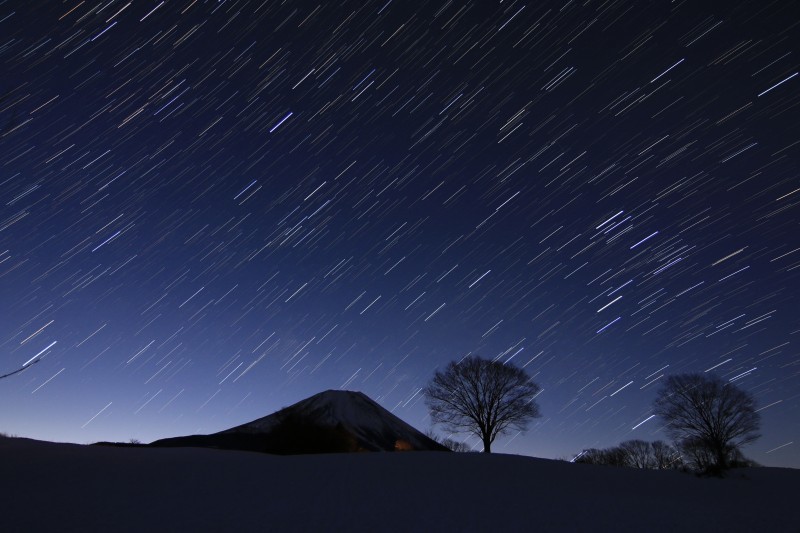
{"points": [[722, 458], [487, 445]]}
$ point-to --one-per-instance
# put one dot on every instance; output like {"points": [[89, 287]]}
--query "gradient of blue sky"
{"points": [[215, 209]]}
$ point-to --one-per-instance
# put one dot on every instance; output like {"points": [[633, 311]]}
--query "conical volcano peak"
{"points": [[341, 406], [373, 427], [338, 396], [330, 421]]}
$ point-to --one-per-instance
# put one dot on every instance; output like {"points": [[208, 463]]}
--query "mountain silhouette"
{"points": [[328, 422]]}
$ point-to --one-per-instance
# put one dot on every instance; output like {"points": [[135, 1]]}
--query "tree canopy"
{"points": [[708, 416], [482, 397]]}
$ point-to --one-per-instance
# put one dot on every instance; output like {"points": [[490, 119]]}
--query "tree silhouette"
{"points": [[656, 455], [451, 444], [482, 397], [638, 453], [665, 456], [709, 417], [608, 456]]}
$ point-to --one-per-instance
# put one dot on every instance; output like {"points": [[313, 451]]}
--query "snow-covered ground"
{"points": [[67, 487]]}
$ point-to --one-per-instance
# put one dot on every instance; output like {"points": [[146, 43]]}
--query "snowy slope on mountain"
{"points": [[373, 426], [68, 487]]}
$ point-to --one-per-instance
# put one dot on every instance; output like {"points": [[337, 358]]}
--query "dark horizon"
{"points": [[215, 209]]}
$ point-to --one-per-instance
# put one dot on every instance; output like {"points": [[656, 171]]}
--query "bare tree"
{"points": [[638, 454], [482, 397], [607, 456], [665, 457], [709, 418], [696, 454], [456, 446]]}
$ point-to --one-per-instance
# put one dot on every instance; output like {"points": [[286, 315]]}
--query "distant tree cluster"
{"points": [[451, 444], [656, 455], [699, 458], [709, 421]]}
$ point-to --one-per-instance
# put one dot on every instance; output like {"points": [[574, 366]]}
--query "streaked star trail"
{"points": [[213, 209]]}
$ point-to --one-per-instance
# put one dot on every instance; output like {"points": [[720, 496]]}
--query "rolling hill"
{"points": [[68, 487]]}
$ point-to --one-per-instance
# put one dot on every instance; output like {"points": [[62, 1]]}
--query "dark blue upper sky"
{"points": [[212, 209]]}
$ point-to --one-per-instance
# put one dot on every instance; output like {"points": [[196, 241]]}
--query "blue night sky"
{"points": [[213, 209]]}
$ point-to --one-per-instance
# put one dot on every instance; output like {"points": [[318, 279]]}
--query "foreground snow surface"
{"points": [[68, 487]]}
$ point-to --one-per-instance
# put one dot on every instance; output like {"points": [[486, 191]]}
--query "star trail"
{"points": [[213, 209]]}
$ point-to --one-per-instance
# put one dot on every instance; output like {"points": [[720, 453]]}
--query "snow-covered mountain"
{"points": [[375, 428], [336, 420]]}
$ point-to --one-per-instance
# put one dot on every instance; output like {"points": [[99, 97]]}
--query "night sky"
{"points": [[213, 209]]}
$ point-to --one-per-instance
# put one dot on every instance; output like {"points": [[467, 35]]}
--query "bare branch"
{"points": [[17, 371]]}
